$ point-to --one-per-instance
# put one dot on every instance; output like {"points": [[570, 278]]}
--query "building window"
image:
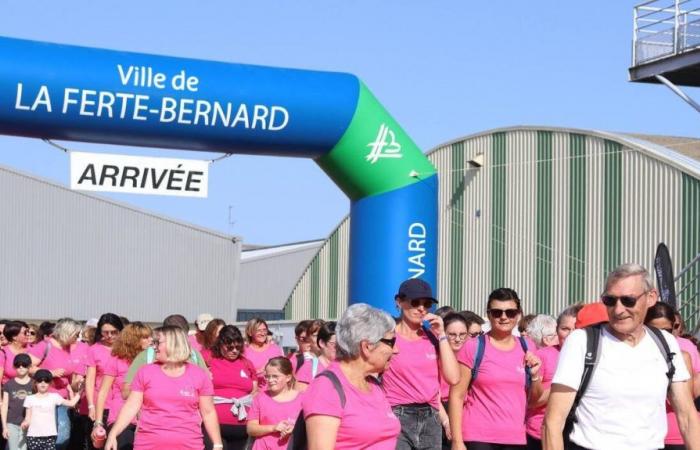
{"points": [[244, 315]]}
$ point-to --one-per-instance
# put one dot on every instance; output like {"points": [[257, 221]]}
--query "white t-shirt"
{"points": [[43, 414], [623, 407]]}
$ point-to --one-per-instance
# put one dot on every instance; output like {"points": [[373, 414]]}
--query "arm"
{"points": [[449, 368], [27, 418], [210, 419], [456, 404], [73, 398], [106, 385], [444, 419], [536, 390], [686, 414], [322, 432], [90, 391], [126, 415], [3, 413], [561, 398]]}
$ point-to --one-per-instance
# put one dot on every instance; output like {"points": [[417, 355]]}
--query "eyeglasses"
{"points": [[498, 313], [389, 342], [30, 333], [233, 347], [424, 302], [457, 336], [109, 332], [628, 301], [476, 334]]}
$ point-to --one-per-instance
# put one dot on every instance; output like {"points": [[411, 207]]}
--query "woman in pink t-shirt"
{"points": [[457, 331], [542, 330], [365, 344], [234, 380], [274, 411], [211, 333], [326, 342], [16, 334], [492, 416], [259, 350], [172, 398], [133, 339], [412, 382]]}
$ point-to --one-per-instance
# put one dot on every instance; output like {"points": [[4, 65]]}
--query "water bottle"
{"points": [[99, 436]]}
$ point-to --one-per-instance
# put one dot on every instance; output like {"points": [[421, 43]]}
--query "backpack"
{"points": [[479, 356], [593, 344], [298, 439], [301, 359]]}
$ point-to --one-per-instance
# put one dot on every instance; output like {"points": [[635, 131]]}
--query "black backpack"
{"points": [[593, 343], [479, 356]]}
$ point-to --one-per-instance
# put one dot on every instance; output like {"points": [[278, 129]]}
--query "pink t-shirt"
{"points": [[673, 435], [268, 411], [367, 420], [7, 360], [231, 379], [305, 373], [169, 417], [71, 361], [260, 359], [535, 416], [494, 408], [412, 376], [117, 368], [98, 356]]}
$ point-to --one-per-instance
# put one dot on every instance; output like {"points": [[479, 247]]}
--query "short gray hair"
{"points": [[540, 326], [629, 270], [571, 311], [360, 322], [65, 330]]}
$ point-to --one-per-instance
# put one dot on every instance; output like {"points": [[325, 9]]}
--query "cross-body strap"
{"points": [[528, 372], [336, 384], [478, 357], [590, 360], [665, 350]]}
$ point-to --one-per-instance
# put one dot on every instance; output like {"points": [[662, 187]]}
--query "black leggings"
{"points": [[533, 443], [234, 437], [471, 445]]}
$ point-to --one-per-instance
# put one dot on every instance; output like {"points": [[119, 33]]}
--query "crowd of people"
{"points": [[615, 374]]}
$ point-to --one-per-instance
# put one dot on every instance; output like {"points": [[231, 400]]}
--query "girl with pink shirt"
{"points": [[15, 333], [326, 343], [132, 340], [412, 382], [362, 418], [172, 398], [492, 416], [275, 410], [457, 332], [259, 350]]}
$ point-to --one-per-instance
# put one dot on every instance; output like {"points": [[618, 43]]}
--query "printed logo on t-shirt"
{"points": [[243, 374], [187, 391], [520, 369], [20, 394], [431, 356]]}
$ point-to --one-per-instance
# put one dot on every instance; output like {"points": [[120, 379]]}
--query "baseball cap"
{"points": [[591, 314], [203, 320], [92, 323], [415, 288], [22, 359], [43, 375]]}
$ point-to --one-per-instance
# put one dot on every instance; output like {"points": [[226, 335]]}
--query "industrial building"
{"points": [[545, 211]]}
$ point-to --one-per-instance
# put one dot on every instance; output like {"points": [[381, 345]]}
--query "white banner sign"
{"points": [[138, 174]]}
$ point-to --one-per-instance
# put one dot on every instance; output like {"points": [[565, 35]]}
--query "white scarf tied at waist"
{"points": [[238, 405]]}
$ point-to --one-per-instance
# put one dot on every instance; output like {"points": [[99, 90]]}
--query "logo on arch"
{"points": [[384, 145]]}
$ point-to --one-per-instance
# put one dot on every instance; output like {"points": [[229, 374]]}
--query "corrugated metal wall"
{"points": [[65, 253], [549, 214]]}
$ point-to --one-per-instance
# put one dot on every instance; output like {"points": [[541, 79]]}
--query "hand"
{"points": [[446, 427], [58, 373], [5, 432], [91, 413], [436, 324], [282, 428], [458, 445], [24, 425], [533, 362], [111, 443]]}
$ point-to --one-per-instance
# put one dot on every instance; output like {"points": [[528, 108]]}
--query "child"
{"points": [[13, 394], [40, 420], [273, 413]]}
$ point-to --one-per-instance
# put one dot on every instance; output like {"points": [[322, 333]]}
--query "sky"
{"points": [[444, 70]]}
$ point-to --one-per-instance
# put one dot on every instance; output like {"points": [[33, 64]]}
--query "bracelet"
{"points": [[91, 406], [537, 379], [218, 446], [442, 338]]}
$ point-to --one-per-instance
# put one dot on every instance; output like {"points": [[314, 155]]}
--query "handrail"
{"points": [[664, 28]]}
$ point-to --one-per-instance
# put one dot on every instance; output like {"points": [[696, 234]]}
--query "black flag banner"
{"points": [[664, 275]]}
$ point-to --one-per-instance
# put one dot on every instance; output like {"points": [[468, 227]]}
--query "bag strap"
{"points": [[47, 347], [300, 361], [336, 384], [314, 367], [660, 342], [528, 372], [478, 357], [590, 360]]}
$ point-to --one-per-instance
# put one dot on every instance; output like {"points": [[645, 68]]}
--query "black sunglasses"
{"points": [[424, 302], [498, 313], [628, 301], [26, 366], [389, 342]]}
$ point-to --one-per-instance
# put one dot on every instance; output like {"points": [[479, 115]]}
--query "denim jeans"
{"points": [[420, 428], [63, 427], [17, 440]]}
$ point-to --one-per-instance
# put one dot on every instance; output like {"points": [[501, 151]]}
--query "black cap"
{"points": [[415, 288], [43, 375], [22, 359]]}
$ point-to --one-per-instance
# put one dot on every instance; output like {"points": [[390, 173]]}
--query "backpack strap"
{"points": [[590, 360], [314, 367], [193, 357], [528, 372], [478, 357], [47, 347], [150, 355], [660, 342], [300, 361], [336, 384]]}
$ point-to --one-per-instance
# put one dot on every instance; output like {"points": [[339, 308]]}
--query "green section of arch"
{"points": [[498, 209], [457, 226], [375, 154], [577, 217], [612, 206], [543, 265]]}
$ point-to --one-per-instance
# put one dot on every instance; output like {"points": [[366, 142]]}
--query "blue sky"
{"points": [[443, 69]]}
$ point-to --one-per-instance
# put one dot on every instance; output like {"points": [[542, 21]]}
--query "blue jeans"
{"points": [[63, 427], [420, 427]]}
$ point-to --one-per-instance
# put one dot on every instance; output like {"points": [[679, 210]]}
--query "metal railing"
{"points": [[664, 28], [688, 297]]}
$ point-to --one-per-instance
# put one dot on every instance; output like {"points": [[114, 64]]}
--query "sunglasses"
{"points": [[30, 333], [43, 380], [389, 342], [457, 336], [109, 332], [424, 302], [26, 366], [498, 313], [232, 347], [476, 334], [628, 301]]}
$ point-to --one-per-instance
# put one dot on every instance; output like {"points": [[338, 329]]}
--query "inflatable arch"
{"points": [[52, 91]]}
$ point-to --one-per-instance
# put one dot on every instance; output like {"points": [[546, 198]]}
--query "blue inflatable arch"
{"points": [[52, 91]]}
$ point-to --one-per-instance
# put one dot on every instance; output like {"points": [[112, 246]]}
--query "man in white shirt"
{"points": [[623, 407]]}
